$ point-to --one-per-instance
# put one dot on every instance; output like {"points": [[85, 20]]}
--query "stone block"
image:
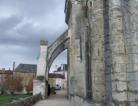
{"points": [[118, 49], [115, 3], [119, 86], [135, 67], [132, 96], [118, 38], [98, 4], [113, 104], [116, 25], [43, 42], [119, 76], [133, 86], [119, 67], [132, 76], [98, 74], [130, 51], [99, 28], [80, 101], [119, 59], [98, 51], [39, 87], [135, 59], [99, 92], [133, 104], [122, 96], [99, 77]]}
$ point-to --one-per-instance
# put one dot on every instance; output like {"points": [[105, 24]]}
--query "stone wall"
{"points": [[29, 101], [39, 83], [95, 20], [87, 62], [103, 60], [25, 79], [118, 54], [77, 52], [79, 101], [102, 52], [123, 25]]}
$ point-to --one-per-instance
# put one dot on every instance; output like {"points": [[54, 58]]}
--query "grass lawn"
{"points": [[4, 99]]}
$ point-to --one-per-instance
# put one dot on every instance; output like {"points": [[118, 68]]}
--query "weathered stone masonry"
{"points": [[46, 58], [102, 43], [39, 84]]}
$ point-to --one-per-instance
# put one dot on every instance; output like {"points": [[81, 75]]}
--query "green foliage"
{"points": [[83, 4], [5, 99]]}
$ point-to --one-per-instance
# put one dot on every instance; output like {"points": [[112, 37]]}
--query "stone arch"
{"points": [[56, 48], [47, 55]]}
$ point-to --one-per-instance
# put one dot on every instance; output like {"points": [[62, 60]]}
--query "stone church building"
{"points": [[102, 44]]}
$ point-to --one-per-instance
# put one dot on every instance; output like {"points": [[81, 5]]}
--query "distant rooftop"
{"points": [[53, 75], [59, 69], [26, 68], [6, 72]]}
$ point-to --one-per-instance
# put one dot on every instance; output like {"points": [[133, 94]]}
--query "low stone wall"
{"points": [[29, 101], [79, 101]]}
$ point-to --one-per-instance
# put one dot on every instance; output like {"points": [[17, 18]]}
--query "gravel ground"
{"points": [[55, 100]]}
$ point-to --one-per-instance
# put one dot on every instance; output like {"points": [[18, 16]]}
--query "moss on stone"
{"points": [[83, 4], [43, 42]]}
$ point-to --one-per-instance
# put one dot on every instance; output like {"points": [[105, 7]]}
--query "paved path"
{"points": [[55, 100]]}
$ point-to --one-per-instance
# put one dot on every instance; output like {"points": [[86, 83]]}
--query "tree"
{"points": [[17, 83], [13, 83], [29, 87]]}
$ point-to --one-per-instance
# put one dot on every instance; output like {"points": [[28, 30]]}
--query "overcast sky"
{"points": [[23, 23]]}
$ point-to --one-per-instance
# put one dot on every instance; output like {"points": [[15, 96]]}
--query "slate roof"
{"points": [[26, 68], [53, 75]]}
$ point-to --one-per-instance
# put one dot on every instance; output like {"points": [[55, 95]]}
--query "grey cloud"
{"points": [[9, 23], [23, 23], [35, 8]]}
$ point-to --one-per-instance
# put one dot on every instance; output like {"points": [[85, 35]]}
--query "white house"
{"points": [[61, 83]]}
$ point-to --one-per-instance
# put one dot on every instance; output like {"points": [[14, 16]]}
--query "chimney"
{"points": [[14, 66], [41, 64], [43, 47]]}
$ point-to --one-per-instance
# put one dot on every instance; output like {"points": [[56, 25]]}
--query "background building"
{"points": [[63, 71], [19, 81]]}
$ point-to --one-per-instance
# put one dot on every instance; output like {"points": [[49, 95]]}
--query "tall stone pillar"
{"points": [[96, 36], [40, 81], [77, 33], [130, 22], [119, 58], [133, 75]]}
